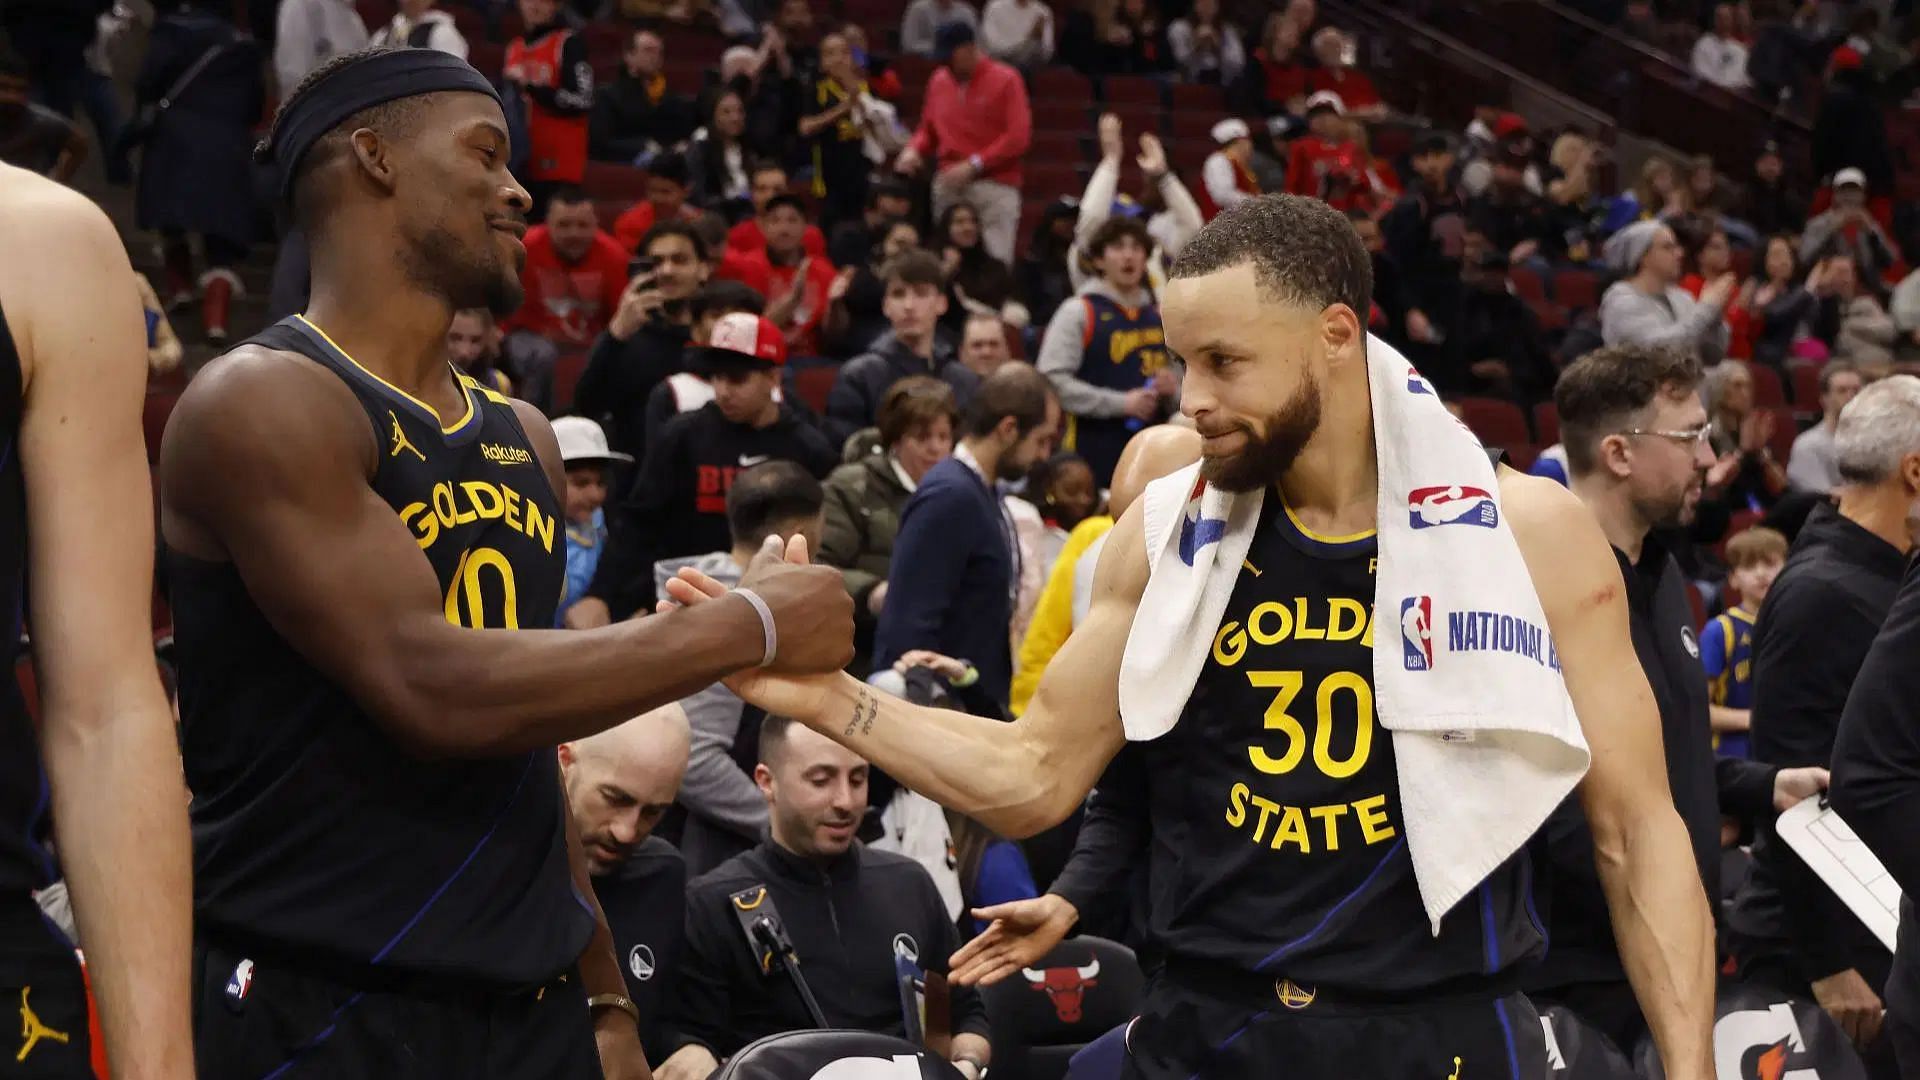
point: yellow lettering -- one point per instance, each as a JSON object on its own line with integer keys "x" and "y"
{"x": 1323, "y": 728}
{"x": 1367, "y": 638}
{"x": 1372, "y": 815}
{"x": 1237, "y": 805}
{"x": 1303, "y": 631}
{"x": 511, "y": 512}
{"x": 443, "y": 504}
{"x": 478, "y": 560}
{"x": 1293, "y": 827}
{"x": 1330, "y": 817}
{"x": 541, "y": 525}
{"x": 453, "y": 589}
{"x": 1256, "y": 622}
{"x": 427, "y": 529}
{"x": 1285, "y": 684}
{"x": 1267, "y": 807}
{"x": 462, "y": 516}
{"x": 1229, "y": 645}
{"x": 1340, "y": 630}
{"x": 478, "y": 492}
{"x": 1372, "y": 565}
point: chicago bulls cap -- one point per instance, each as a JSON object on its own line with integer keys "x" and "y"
{"x": 742, "y": 341}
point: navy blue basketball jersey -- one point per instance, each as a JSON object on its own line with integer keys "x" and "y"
{"x": 1122, "y": 348}
{"x": 313, "y": 832}
{"x": 24, "y": 864}
{"x": 1279, "y": 846}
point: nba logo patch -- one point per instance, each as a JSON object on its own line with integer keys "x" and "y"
{"x": 238, "y": 984}
{"x": 1431, "y": 507}
{"x": 1416, "y": 632}
{"x": 1416, "y": 384}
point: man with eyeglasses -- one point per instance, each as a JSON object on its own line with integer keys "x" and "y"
{"x": 1813, "y": 634}
{"x": 1635, "y": 435}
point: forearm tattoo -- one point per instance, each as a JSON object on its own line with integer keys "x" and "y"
{"x": 865, "y": 709}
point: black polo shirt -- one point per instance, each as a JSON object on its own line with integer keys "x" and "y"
{"x": 645, "y": 900}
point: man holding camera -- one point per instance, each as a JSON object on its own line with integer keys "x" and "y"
{"x": 646, "y": 338}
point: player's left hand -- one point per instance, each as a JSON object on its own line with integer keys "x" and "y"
{"x": 1792, "y": 785}
{"x": 621, "y": 1057}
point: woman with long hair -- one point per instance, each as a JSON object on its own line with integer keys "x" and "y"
{"x": 1782, "y": 306}
{"x": 717, "y": 159}
{"x": 976, "y": 281}
{"x": 1708, "y": 256}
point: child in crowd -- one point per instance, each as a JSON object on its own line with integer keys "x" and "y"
{"x": 1754, "y": 558}
{"x": 583, "y": 449}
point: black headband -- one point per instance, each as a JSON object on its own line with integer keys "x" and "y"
{"x": 384, "y": 76}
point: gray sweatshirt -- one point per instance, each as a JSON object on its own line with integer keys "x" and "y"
{"x": 1631, "y": 317}
{"x": 1061, "y": 352}
{"x": 725, "y": 811}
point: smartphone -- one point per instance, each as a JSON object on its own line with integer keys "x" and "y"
{"x": 640, "y": 266}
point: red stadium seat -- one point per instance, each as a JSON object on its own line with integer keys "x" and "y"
{"x": 1050, "y": 180}
{"x": 1131, "y": 89}
{"x": 566, "y": 375}
{"x": 1766, "y": 385}
{"x": 486, "y": 58}
{"x": 1059, "y": 147}
{"x": 1806, "y": 388}
{"x": 1527, "y": 284}
{"x": 1136, "y": 118}
{"x": 1189, "y": 124}
{"x": 814, "y": 383}
{"x": 1061, "y": 85}
{"x": 471, "y": 24}
{"x": 606, "y": 180}
{"x": 1698, "y": 605}
{"x": 1523, "y": 456}
{"x": 1495, "y": 421}
{"x": 1064, "y": 116}
{"x": 1576, "y": 290}
{"x": 1741, "y": 522}
{"x": 1546, "y": 423}
{"x": 1208, "y": 99}
{"x": 1784, "y": 431}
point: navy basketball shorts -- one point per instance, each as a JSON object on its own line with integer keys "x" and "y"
{"x": 43, "y": 999}
{"x": 262, "y": 1020}
{"x": 1183, "y": 1034}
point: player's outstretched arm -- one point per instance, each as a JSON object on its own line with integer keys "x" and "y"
{"x": 1016, "y": 778}
{"x": 106, "y": 734}
{"x": 266, "y": 463}
{"x": 1641, "y": 850}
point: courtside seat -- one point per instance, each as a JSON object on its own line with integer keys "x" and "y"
{"x": 1044, "y": 1014}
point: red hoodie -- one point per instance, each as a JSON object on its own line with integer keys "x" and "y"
{"x": 986, "y": 116}
{"x": 569, "y": 303}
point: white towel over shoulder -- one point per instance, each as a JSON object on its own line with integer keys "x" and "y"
{"x": 1464, "y": 671}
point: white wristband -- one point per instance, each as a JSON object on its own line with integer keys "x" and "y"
{"x": 766, "y": 623}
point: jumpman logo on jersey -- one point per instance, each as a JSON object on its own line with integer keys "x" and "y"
{"x": 32, "y": 1030}
{"x": 400, "y": 439}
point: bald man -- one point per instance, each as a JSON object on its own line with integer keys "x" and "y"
{"x": 619, "y": 783}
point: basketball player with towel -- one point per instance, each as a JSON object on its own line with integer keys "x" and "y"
{"x": 364, "y": 547}
{"x": 1365, "y": 668}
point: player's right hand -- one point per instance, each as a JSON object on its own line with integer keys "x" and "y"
{"x": 812, "y": 613}
{"x": 1852, "y": 1004}
{"x": 1018, "y": 934}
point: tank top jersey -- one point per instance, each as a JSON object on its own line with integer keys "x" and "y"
{"x": 1121, "y": 348}
{"x": 1279, "y": 846}
{"x": 314, "y": 834}
{"x": 24, "y": 863}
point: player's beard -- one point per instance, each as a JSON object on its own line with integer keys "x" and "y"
{"x": 1266, "y": 456}
{"x": 464, "y": 276}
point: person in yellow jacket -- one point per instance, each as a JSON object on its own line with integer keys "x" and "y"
{"x": 1149, "y": 455}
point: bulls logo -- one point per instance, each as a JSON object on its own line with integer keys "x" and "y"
{"x": 1432, "y": 507}
{"x": 1066, "y": 987}
{"x": 1416, "y": 632}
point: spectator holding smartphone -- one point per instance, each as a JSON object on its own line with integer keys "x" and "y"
{"x": 645, "y": 340}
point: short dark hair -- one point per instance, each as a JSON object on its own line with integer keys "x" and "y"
{"x": 1302, "y": 250}
{"x": 726, "y": 296}
{"x": 761, "y": 165}
{"x": 1014, "y": 389}
{"x": 912, "y": 402}
{"x": 773, "y": 737}
{"x": 682, "y": 229}
{"x": 1599, "y": 391}
{"x": 768, "y": 495}
{"x": 914, "y": 267}
{"x": 1835, "y": 368}
{"x": 571, "y": 194}
{"x": 669, "y": 166}
{"x": 1115, "y": 229}
{"x": 785, "y": 199}
{"x": 391, "y": 118}
{"x": 888, "y": 188}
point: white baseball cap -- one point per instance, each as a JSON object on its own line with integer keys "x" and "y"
{"x": 1330, "y": 99}
{"x": 1228, "y": 130}
{"x": 582, "y": 439}
{"x": 1849, "y": 175}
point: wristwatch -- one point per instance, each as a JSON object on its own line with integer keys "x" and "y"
{"x": 615, "y": 1001}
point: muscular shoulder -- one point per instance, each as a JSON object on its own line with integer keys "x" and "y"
{"x": 62, "y": 253}
{"x": 546, "y": 446}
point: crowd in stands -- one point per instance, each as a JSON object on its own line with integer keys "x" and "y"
{"x": 831, "y": 286}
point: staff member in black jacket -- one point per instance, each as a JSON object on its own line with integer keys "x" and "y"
{"x": 1636, "y": 439}
{"x": 619, "y": 784}
{"x": 678, "y": 505}
{"x": 1813, "y": 634}
{"x": 1876, "y": 787}
{"x": 848, "y": 910}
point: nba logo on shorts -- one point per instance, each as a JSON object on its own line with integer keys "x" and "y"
{"x": 1416, "y": 632}
{"x": 1416, "y": 384}
{"x": 239, "y": 983}
{"x": 1431, "y": 507}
